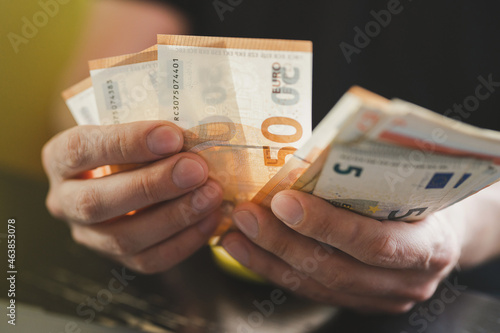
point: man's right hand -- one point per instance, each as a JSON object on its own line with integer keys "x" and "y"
{"x": 176, "y": 202}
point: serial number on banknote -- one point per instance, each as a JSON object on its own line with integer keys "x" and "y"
{"x": 175, "y": 89}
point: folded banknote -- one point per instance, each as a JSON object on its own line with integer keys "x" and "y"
{"x": 245, "y": 106}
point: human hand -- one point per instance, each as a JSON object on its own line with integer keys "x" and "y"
{"x": 177, "y": 205}
{"x": 335, "y": 256}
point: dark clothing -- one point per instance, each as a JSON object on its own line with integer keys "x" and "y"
{"x": 429, "y": 52}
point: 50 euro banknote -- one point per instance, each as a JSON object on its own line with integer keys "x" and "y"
{"x": 244, "y": 104}
{"x": 125, "y": 87}
{"x": 80, "y": 100}
{"x": 120, "y": 89}
{"x": 389, "y": 159}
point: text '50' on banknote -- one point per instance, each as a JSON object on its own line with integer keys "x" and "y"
{"x": 245, "y": 101}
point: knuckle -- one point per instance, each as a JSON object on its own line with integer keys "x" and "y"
{"x": 355, "y": 233}
{"x": 338, "y": 281}
{"x": 119, "y": 145}
{"x": 400, "y": 308}
{"x": 441, "y": 262}
{"x": 119, "y": 244}
{"x": 325, "y": 231}
{"x": 76, "y": 149}
{"x": 444, "y": 258}
{"x": 53, "y": 205}
{"x": 383, "y": 250}
{"x": 442, "y": 251}
{"x": 143, "y": 264}
{"x": 282, "y": 249}
{"x": 179, "y": 216}
{"x": 422, "y": 293}
{"x": 78, "y": 236}
{"x": 149, "y": 187}
{"x": 87, "y": 205}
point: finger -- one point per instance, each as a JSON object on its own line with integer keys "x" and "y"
{"x": 96, "y": 200}
{"x": 330, "y": 267}
{"x": 280, "y": 273}
{"x": 392, "y": 244}
{"x": 131, "y": 234}
{"x": 83, "y": 148}
{"x": 172, "y": 251}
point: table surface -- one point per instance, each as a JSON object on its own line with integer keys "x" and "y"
{"x": 56, "y": 278}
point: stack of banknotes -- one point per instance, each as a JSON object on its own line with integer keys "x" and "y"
{"x": 245, "y": 106}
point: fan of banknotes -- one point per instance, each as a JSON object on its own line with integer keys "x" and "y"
{"x": 245, "y": 106}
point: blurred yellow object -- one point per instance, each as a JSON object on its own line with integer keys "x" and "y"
{"x": 229, "y": 265}
{"x": 38, "y": 38}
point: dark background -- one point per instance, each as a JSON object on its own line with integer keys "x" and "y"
{"x": 431, "y": 53}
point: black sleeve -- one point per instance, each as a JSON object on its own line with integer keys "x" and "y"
{"x": 193, "y": 9}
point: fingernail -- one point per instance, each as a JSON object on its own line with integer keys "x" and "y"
{"x": 287, "y": 209}
{"x": 188, "y": 173}
{"x": 247, "y": 223}
{"x": 206, "y": 197}
{"x": 208, "y": 225}
{"x": 163, "y": 140}
{"x": 238, "y": 251}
